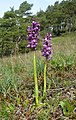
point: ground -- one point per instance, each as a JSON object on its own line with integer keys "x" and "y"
{"x": 17, "y": 101}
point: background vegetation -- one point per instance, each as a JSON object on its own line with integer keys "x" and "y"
{"x": 58, "y": 18}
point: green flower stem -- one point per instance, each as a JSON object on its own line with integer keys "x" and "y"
{"x": 35, "y": 79}
{"x": 44, "y": 91}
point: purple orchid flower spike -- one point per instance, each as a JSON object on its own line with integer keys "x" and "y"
{"x": 33, "y": 32}
{"x": 47, "y": 47}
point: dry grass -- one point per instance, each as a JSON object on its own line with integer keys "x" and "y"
{"x": 17, "y": 84}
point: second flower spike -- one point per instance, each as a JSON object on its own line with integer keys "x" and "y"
{"x": 47, "y": 46}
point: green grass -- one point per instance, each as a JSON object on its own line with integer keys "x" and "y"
{"x": 17, "y": 84}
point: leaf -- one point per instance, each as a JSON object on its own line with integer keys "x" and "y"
{"x": 66, "y": 107}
